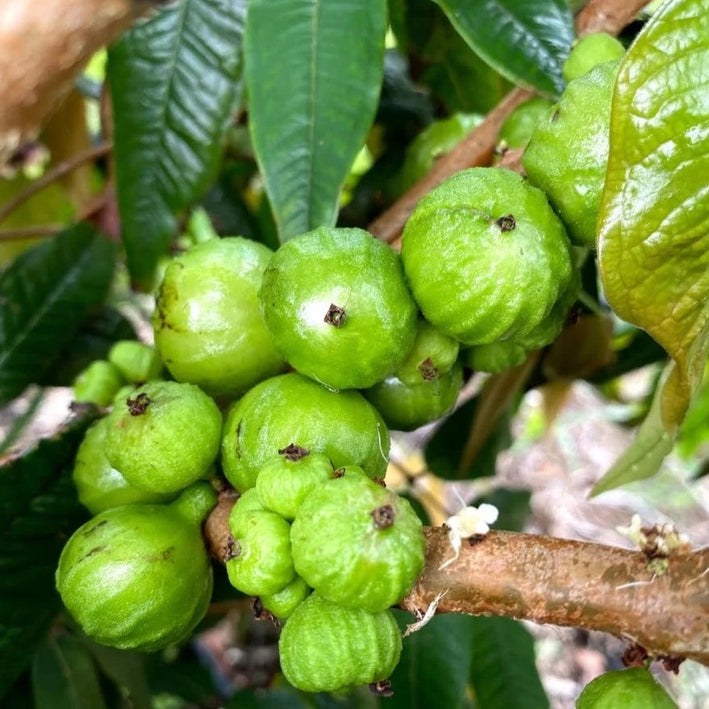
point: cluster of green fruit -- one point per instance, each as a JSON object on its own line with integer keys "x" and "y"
{"x": 377, "y": 340}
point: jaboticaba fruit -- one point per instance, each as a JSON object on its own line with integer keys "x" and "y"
{"x": 633, "y": 688}
{"x": 98, "y": 484}
{"x": 327, "y": 648}
{"x": 164, "y": 436}
{"x": 139, "y": 576}
{"x": 208, "y": 324}
{"x": 485, "y": 256}
{"x": 285, "y": 481}
{"x": 290, "y": 409}
{"x": 337, "y": 305}
{"x": 357, "y": 543}
{"x": 259, "y": 560}
{"x": 567, "y": 154}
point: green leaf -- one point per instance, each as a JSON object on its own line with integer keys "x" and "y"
{"x": 313, "y": 71}
{"x": 64, "y": 676}
{"x": 435, "y": 664}
{"x": 38, "y": 511}
{"x": 654, "y": 217}
{"x": 174, "y": 83}
{"x": 45, "y": 295}
{"x": 445, "y": 448}
{"x": 504, "y": 674}
{"x": 527, "y": 41}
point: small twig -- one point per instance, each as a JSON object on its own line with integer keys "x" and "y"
{"x": 53, "y": 175}
{"x": 31, "y": 232}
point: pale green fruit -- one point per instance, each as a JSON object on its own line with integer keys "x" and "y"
{"x": 327, "y": 648}
{"x": 589, "y": 51}
{"x": 431, "y": 355}
{"x": 136, "y": 361}
{"x": 633, "y": 688}
{"x": 164, "y": 437}
{"x": 284, "y": 602}
{"x": 139, "y": 576}
{"x": 517, "y": 128}
{"x": 98, "y": 383}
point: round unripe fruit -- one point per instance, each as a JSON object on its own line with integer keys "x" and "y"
{"x": 485, "y": 256}
{"x": 98, "y": 484}
{"x": 285, "y": 481}
{"x": 343, "y": 426}
{"x": 136, "y": 361}
{"x": 164, "y": 437}
{"x": 337, "y": 305}
{"x": 327, "y": 648}
{"x": 517, "y": 128}
{"x": 260, "y": 561}
{"x": 495, "y": 357}
{"x": 139, "y": 576}
{"x": 406, "y": 407}
{"x": 97, "y": 384}
{"x": 284, "y": 602}
{"x": 633, "y": 688}
{"x": 431, "y": 355}
{"x": 357, "y": 543}
{"x": 208, "y": 324}
{"x": 567, "y": 154}
{"x": 589, "y": 51}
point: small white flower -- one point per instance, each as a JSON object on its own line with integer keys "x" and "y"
{"x": 468, "y": 522}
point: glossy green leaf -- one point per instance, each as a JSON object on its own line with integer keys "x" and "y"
{"x": 46, "y": 294}
{"x": 654, "y": 218}
{"x": 504, "y": 674}
{"x": 525, "y": 40}
{"x": 64, "y": 676}
{"x": 435, "y": 664}
{"x": 38, "y": 511}
{"x": 174, "y": 84}
{"x": 313, "y": 72}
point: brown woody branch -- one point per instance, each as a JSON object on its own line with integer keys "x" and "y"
{"x": 477, "y": 148}
{"x": 554, "y": 581}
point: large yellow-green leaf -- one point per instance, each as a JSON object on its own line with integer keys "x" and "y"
{"x": 654, "y": 219}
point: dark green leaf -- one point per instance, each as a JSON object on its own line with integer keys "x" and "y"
{"x": 314, "y": 72}
{"x": 445, "y": 449}
{"x": 435, "y": 664}
{"x": 64, "y": 676}
{"x": 45, "y": 295}
{"x": 504, "y": 674}
{"x": 525, "y": 40}
{"x": 654, "y": 223}
{"x": 38, "y": 511}
{"x": 174, "y": 83}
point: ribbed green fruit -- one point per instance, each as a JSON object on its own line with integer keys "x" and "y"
{"x": 292, "y": 409}
{"x": 485, "y": 256}
{"x": 337, "y": 305}
{"x": 431, "y": 355}
{"x": 357, "y": 543}
{"x": 164, "y": 437}
{"x": 327, "y": 648}
{"x": 633, "y": 688}
{"x": 284, "y": 602}
{"x": 208, "y": 324}
{"x": 98, "y": 484}
{"x": 139, "y": 576}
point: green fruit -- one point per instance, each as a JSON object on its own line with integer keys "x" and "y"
{"x": 247, "y": 502}
{"x": 589, "y": 51}
{"x": 165, "y": 437}
{"x": 139, "y": 576}
{"x": 517, "y": 128}
{"x": 435, "y": 140}
{"x": 405, "y": 407}
{"x": 285, "y": 481}
{"x": 495, "y": 357}
{"x": 284, "y": 602}
{"x": 208, "y": 324}
{"x": 291, "y": 408}
{"x": 567, "y": 154}
{"x": 431, "y": 355}
{"x": 357, "y": 543}
{"x": 326, "y": 648}
{"x": 97, "y": 384}
{"x": 485, "y": 256}
{"x": 260, "y": 561}
{"x": 98, "y": 484}
{"x": 633, "y": 688}
{"x": 136, "y": 361}
{"x": 337, "y": 305}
